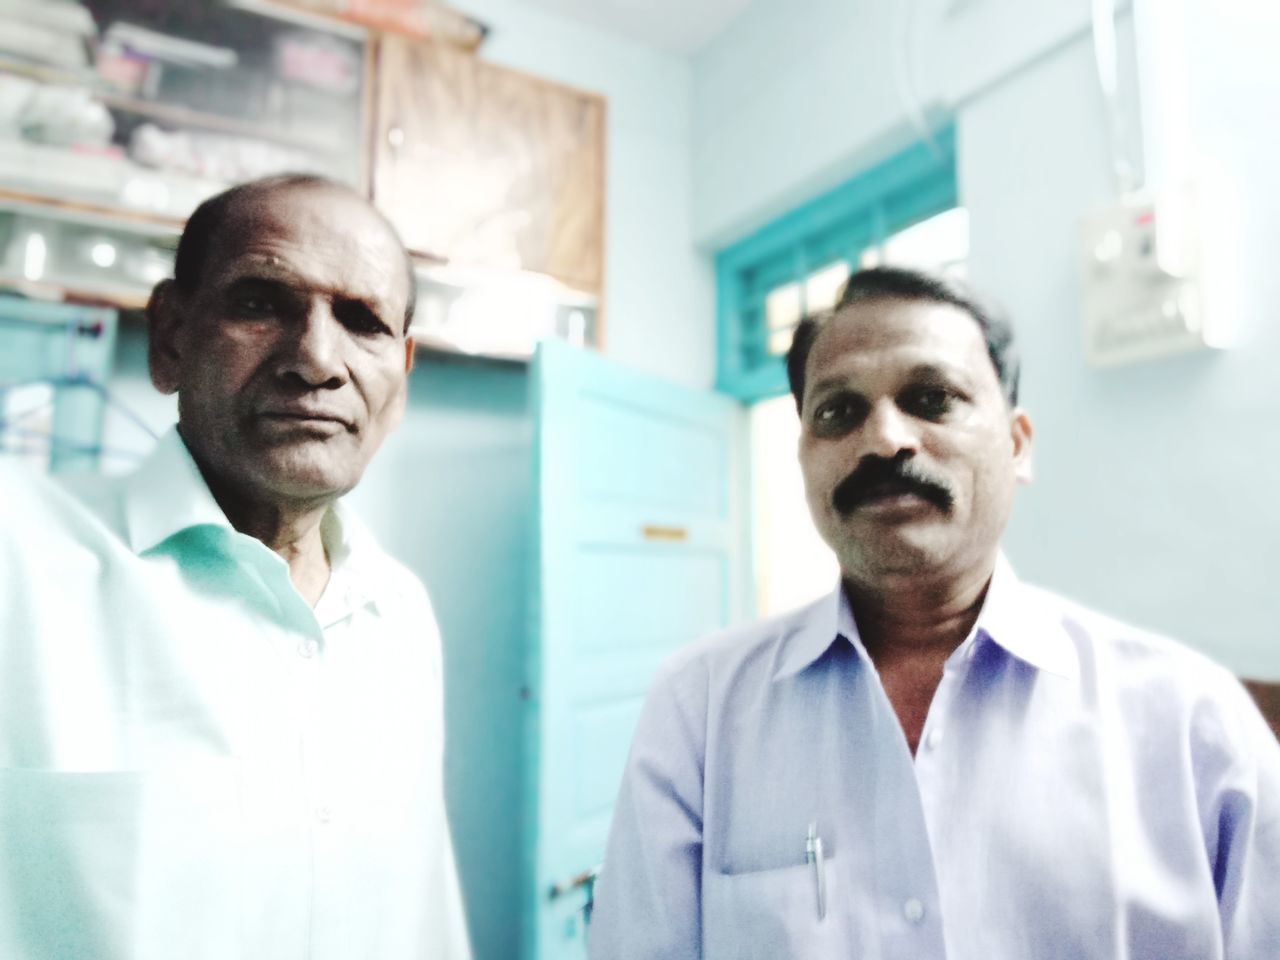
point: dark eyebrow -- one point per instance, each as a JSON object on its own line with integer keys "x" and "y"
{"x": 346, "y": 309}
{"x": 264, "y": 271}
{"x": 939, "y": 373}
{"x": 249, "y": 280}
{"x": 267, "y": 286}
{"x": 833, "y": 383}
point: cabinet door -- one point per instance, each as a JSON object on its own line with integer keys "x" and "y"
{"x": 482, "y": 165}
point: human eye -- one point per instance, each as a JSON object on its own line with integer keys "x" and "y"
{"x": 360, "y": 318}
{"x": 930, "y": 402}
{"x": 257, "y": 299}
{"x": 836, "y": 414}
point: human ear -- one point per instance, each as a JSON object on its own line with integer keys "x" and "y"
{"x": 1023, "y": 434}
{"x": 164, "y": 321}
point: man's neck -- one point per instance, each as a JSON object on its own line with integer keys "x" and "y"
{"x": 292, "y": 530}
{"x": 294, "y": 535}
{"x": 909, "y": 627}
{"x": 909, "y": 617}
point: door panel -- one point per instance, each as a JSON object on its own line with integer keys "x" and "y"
{"x": 638, "y": 554}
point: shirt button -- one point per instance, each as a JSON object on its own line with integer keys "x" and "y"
{"x": 323, "y": 815}
{"x": 934, "y": 738}
{"x": 913, "y": 910}
{"x": 308, "y": 648}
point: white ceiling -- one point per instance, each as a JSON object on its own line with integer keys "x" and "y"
{"x": 678, "y": 26}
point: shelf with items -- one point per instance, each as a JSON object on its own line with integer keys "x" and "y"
{"x": 77, "y": 252}
{"x": 45, "y": 73}
{"x": 483, "y": 170}
{"x": 229, "y": 96}
{"x": 500, "y": 313}
{"x": 184, "y": 117}
{"x": 255, "y": 95}
{"x": 89, "y": 212}
{"x": 102, "y": 179}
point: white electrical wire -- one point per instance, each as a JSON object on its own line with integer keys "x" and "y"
{"x": 902, "y": 55}
{"x": 1107, "y": 59}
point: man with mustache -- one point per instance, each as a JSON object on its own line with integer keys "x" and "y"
{"x": 936, "y": 760}
{"x": 221, "y": 724}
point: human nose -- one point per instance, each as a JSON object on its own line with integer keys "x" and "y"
{"x": 889, "y": 433}
{"x": 315, "y": 354}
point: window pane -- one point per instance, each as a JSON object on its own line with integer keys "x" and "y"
{"x": 780, "y": 340}
{"x": 782, "y": 307}
{"x": 939, "y": 243}
{"x": 822, "y": 289}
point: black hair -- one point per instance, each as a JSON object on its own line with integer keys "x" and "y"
{"x": 898, "y": 283}
{"x": 211, "y": 216}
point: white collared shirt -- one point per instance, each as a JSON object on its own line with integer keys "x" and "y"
{"x": 194, "y": 763}
{"x": 1082, "y": 791}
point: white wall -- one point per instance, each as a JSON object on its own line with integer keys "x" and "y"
{"x": 658, "y": 292}
{"x": 1154, "y": 489}
{"x": 1154, "y": 497}
{"x": 799, "y": 94}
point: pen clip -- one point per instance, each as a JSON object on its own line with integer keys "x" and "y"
{"x": 813, "y": 853}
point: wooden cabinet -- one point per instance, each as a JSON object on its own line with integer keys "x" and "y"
{"x": 482, "y": 165}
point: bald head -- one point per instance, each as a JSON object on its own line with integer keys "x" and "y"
{"x": 228, "y": 213}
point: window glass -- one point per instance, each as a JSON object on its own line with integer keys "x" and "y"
{"x": 940, "y": 243}
{"x": 822, "y": 287}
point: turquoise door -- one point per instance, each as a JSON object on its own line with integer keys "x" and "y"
{"x": 638, "y": 552}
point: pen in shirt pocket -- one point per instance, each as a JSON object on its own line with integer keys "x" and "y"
{"x": 813, "y": 854}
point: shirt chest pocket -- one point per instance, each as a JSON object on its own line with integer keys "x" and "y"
{"x": 773, "y": 914}
{"x": 119, "y": 865}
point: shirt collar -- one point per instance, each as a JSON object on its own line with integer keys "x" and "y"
{"x": 1012, "y": 617}
{"x": 353, "y": 559}
{"x": 167, "y": 495}
{"x": 1017, "y": 620}
{"x": 810, "y": 632}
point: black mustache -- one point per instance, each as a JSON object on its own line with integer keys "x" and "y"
{"x": 878, "y": 477}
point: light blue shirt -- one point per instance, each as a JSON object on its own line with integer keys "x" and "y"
{"x": 1082, "y": 791}
{"x": 194, "y": 762}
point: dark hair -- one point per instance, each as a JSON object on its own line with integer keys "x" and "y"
{"x": 211, "y": 216}
{"x": 897, "y": 283}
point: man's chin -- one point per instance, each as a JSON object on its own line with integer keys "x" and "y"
{"x": 903, "y": 549}
{"x": 295, "y": 475}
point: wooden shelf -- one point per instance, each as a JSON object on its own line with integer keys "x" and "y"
{"x": 122, "y": 215}
{"x": 119, "y": 298}
{"x": 185, "y": 117}
{"x": 46, "y": 73}
{"x": 166, "y": 113}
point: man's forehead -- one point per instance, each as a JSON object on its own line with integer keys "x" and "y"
{"x": 319, "y": 237}
{"x": 916, "y": 330}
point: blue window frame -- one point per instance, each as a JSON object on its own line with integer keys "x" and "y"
{"x": 762, "y": 281}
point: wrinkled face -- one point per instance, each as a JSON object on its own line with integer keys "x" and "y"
{"x": 290, "y": 358}
{"x": 909, "y": 450}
